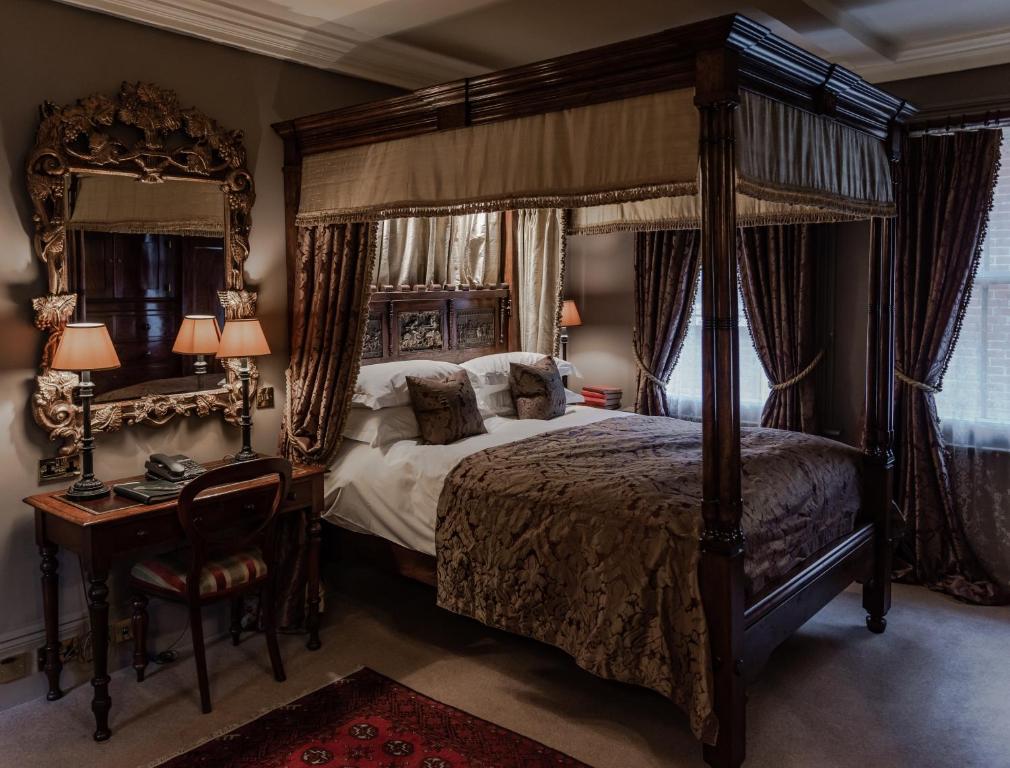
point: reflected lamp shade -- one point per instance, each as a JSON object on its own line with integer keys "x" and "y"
{"x": 198, "y": 335}
{"x": 85, "y": 347}
{"x": 242, "y": 338}
{"x": 570, "y": 314}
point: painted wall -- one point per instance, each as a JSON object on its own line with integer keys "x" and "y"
{"x": 600, "y": 277}
{"x": 53, "y": 52}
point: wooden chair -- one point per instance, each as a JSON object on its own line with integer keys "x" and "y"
{"x": 231, "y": 553}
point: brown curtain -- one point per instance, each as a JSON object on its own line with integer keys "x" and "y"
{"x": 332, "y": 280}
{"x": 944, "y": 195}
{"x": 778, "y": 285}
{"x": 332, "y": 277}
{"x": 667, "y": 265}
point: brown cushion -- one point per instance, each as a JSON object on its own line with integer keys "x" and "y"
{"x": 537, "y": 390}
{"x": 446, "y": 408}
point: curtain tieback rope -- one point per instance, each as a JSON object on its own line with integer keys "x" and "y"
{"x": 920, "y": 385}
{"x": 646, "y": 372}
{"x": 799, "y": 376}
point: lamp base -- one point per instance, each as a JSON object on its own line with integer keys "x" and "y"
{"x": 88, "y": 488}
{"x": 246, "y": 455}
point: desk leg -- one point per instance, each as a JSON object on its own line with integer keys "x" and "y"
{"x": 51, "y": 609}
{"x": 313, "y": 534}
{"x": 98, "y": 608}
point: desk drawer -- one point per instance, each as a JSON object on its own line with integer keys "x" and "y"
{"x": 145, "y": 531}
{"x": 299, "y": 495}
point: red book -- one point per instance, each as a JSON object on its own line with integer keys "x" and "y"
{"x": 590, "y": 395}
{"x": 600, "y": 402}
{"x": 601, "y": 390}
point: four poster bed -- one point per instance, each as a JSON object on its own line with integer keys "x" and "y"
{"x": 615, "y": 135}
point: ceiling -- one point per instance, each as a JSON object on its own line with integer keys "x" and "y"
{"x": 413, "y": 43}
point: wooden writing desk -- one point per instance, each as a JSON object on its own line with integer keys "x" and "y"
{"x": 114, "y": 527}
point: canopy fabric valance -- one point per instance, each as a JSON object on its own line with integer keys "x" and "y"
{"x": 664, "y": 213}
{"x": 792, "y": 166}
{"x": 630, "y": 149}
{"x": 789, "y": 156}
{"x": 109, "y": 203}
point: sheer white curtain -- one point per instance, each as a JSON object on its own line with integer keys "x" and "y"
{"x": 540, "y": 237}
{"x": 440, "y": 250}
{"x": 974, "y": 404}
{"x": 684, "y": 389}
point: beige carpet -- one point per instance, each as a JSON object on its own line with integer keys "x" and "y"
{"x": 934, "y": 691}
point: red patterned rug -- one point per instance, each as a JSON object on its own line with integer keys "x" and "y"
{"x": 369, "y": 721}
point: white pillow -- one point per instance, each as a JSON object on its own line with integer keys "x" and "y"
{"x": 382, "y": 427}
{"x": 497, "y": 399}
{"x": 384, "y": 385}
{"x": 494, "y": 369}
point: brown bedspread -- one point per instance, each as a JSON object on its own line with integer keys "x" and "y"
{"x": 587, "y": 539}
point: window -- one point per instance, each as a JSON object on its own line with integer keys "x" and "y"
{"x": 684, "y": 389}
{"x": 975, "y": 402}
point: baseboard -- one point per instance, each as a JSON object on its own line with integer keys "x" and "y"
{"x": 32, "y": 637}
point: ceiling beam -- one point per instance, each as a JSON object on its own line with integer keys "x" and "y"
{"x": 808, "y": 17}
{"x": 330, "y": 46}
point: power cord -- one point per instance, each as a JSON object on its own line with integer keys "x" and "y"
{"x": 84, "y": 650}
{"x": 169, "y": 655}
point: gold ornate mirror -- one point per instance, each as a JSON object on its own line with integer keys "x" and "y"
{"x": 142, "y": 216}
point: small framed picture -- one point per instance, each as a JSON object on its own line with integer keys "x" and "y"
{"x": 265, "y": 397}
{"x": 59, "y": 468}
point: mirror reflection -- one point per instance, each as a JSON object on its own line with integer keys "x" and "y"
{"x": 143, "y": 257}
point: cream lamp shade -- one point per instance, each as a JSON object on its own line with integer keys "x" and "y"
{"x": 85, "y": 347}
{"x": 198, "y": 335}
{"x": 242, "y": 338}
{"x": 570, "y": 314}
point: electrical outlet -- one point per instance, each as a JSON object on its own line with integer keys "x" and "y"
{"x": 15, "y": 667}
{"x": 121, "y": 631}
{"x": 70, "y": 649}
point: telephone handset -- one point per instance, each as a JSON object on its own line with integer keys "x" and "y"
{"x": 178, "y": 468}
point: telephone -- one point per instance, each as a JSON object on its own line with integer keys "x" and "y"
{"x": 178, "y": 468}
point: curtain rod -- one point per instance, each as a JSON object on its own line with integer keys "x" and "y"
{"x": 990, "y": 119}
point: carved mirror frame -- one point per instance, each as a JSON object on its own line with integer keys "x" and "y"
{"x": 171, "y": 143}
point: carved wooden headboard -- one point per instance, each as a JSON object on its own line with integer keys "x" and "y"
{"x": 436, "y": 323}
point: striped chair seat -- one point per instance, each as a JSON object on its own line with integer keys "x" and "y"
{"x": 168, "y": 572}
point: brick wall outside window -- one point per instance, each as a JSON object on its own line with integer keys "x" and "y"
{"x": 977, "y": 385}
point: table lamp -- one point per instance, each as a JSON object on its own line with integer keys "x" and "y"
{"x": 86, "y": 347}
{"x": 569, "y": 317}
{"x": 198, "y": 335}
{"x": 243, "y": 339}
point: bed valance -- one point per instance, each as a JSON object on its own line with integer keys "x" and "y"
{"x": 619, "y": 150}
{"x": 792, "y": 166}
{"x": 108, "y": 203}
{"x": 663, "y": 213}
{"x": 790, "y": 156}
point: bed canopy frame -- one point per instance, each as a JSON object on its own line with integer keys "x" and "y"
{"x": 691, "y": 124}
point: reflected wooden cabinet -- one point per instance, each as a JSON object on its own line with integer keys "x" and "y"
{"x": 141, "y": 286}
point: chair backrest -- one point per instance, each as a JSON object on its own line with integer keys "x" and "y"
{"x": 232, "y": 519}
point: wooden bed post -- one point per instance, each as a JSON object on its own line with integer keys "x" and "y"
{"x": 878, "y": 432}
{"x": 722, "y": 545}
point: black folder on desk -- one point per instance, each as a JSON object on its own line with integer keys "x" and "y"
{"x": 149, "y": 491}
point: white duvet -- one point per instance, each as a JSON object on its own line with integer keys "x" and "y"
{"x": 393, "y": 491}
